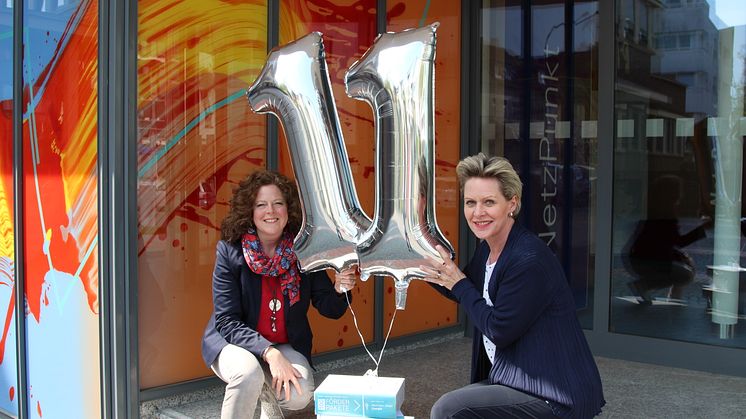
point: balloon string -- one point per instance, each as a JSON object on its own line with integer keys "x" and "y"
{"x": 362, "y": 339}
{"x": 383, "y": 348}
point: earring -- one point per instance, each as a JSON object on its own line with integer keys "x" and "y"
{"x": 511, "y": 214}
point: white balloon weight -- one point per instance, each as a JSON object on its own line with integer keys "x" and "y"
{"x": 395, "y": 77}
{"x": 294, "y": 85}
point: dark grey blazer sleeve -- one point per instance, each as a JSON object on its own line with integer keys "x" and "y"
{"x": 325, "y": 298}
{"x": 226, "y": 296}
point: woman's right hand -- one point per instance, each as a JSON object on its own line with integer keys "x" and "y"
{"x": 446, "y": 273}
{"x": 345, "y": 281}
{"x": 283, "y": 373}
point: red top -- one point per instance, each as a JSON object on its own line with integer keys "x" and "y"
{"x": 270, "y": 290}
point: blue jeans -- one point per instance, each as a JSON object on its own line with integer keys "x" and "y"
{"x": 483, "y": 400}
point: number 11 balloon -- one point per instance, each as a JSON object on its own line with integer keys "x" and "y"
{"x": 395, "y": 77}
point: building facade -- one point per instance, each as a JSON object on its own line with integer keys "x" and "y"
{"x": 124, "y": 128}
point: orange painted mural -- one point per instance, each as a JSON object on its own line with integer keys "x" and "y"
{"x": 348, "y": 28}
{"x": 8, "y": 368}
{"x": 60, "y": 189}
{"x": 197, "y": 138}
{"x": 426, "y": 309}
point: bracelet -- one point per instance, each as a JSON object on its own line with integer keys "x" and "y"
{"x": 264, "y": 352}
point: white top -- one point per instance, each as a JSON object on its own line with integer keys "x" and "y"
{"x": 489, "y": 347}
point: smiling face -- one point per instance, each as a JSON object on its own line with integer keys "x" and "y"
{"x": 270, "y": 214}
{"x": 486, "y": 210}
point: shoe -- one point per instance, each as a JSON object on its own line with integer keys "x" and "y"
{"x": 644, "y": 296}
{"x": 269, "y": 407}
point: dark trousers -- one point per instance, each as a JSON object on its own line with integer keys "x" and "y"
{"x": 483, "y": 400}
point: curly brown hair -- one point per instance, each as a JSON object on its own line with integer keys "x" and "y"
{"x": 240, "y": 217}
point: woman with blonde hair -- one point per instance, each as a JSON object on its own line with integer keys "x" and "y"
{"x": 530, "y": 358}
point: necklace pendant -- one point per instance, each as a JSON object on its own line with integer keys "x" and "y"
{"x": 275, "y": 305}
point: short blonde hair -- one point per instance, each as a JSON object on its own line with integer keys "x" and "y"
{"x": 498, "y": 168}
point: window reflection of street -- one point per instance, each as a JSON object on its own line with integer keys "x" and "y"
{"x": 679, "y": 103}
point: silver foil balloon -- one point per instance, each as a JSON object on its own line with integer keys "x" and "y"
{"x": 294, "y": 85}
{"x": 395, "y": 77}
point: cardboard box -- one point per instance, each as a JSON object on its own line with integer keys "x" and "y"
{"x": 359, "y": 396}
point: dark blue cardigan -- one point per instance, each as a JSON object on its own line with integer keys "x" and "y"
{"x": 541, "y": 349}
{"x": 237, "y": 294}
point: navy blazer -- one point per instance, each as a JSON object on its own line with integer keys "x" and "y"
{"x": 540, "y": 346}
{"x": 237, "y": 295}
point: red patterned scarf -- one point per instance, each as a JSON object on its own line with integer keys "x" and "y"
{"x": 283, "y": 264}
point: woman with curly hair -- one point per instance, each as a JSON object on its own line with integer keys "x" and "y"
{"x": 259, "y": 331}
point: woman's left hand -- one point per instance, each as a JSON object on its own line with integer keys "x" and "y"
{"x": 445, "y": 273}
{"x": 345, "y": 281}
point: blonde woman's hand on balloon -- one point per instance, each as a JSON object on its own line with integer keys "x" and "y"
{"x": 444, "y": 273}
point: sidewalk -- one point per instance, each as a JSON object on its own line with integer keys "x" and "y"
{"x": 632, "y": 390}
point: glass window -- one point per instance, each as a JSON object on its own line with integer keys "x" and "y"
{"x": 668, "y": 41}
{"x": 685, "y": 41}
{"x": 686, "y": 79}
{"x": 60, "y": 202}
{"x": 197, "y": 138}
{"x": 627, "y": 14}
{"x": 8, "y": 362}
{"x": 642, "y": 22}
{"x": 627, "y": 10}
{"x": 411, "y": 14}
{"x": 545, "y": 124}
{"x": 349, "y": 30}
{"x": 679, "y": 227}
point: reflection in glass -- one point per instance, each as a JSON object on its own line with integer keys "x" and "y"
{"x": 349, "y": 30}
{"x": 197, "y": 138}
{"x": 727, "y": 155}
{"x": 678, "y": 173}
{"x": 401, "y": 15}
{"x": 656, "y": 252}
{"x": 8, "y": 369}
{"x": 539, "y": 110}
{"x": 60, "y": 204}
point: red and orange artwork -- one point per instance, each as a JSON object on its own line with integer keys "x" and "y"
{"x": 348, "y": 28}
{"x": 197, "y": 138}
{"x": 428, "y": 310}
{"x": 8, "y": 370}
{"x": 60, "y": 187}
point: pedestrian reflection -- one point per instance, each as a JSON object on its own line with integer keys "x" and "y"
{"x": 655, "y": 253}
